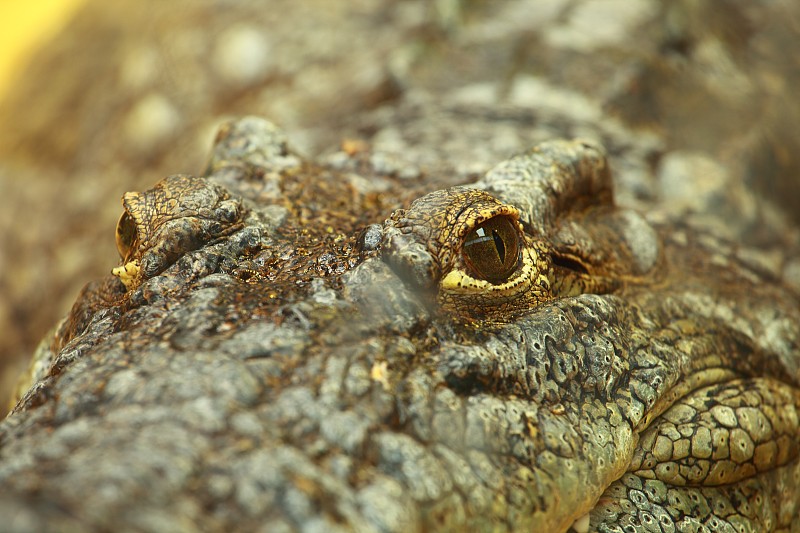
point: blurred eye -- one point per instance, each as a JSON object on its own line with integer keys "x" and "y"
{"x": 125, "y": 235}
{"x": 492, "y": 249}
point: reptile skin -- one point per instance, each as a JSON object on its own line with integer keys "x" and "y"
{"x": 285, "y": 348}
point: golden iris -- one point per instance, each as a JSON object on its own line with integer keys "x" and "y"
{"x": 125, "y": 235}
{"x": 492, "y": 249}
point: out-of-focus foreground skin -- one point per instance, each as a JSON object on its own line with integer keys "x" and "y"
{"x": 134, "y": 91}
{"x": 315, "y": 340}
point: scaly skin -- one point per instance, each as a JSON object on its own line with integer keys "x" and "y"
{"x": 286, "y": 361}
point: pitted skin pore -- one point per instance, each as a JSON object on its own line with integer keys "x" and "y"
{"x": 312, "y": 356}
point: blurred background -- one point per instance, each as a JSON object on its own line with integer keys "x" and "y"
{"x": 696, "y": 99}
{"x": 23, "y": 27}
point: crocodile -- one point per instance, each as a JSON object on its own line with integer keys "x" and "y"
{"x": 294, "y": 346}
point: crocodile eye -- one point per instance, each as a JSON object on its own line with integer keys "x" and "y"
{"x": 492, "y": 249}
{"x": 125, "y": 235}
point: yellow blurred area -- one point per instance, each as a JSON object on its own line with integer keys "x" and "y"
{"x": 25, "y": 25}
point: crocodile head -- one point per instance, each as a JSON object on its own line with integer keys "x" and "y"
{"x": 518, "y": 354}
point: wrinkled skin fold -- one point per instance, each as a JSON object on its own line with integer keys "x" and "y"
{"x": 282, "y": 350}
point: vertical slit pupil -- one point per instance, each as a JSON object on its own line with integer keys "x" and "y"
{"x": 491, "y": 250}
{"x": 500, "y": 246}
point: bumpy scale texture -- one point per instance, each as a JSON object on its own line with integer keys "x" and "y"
{"x": 291, "y": 347}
